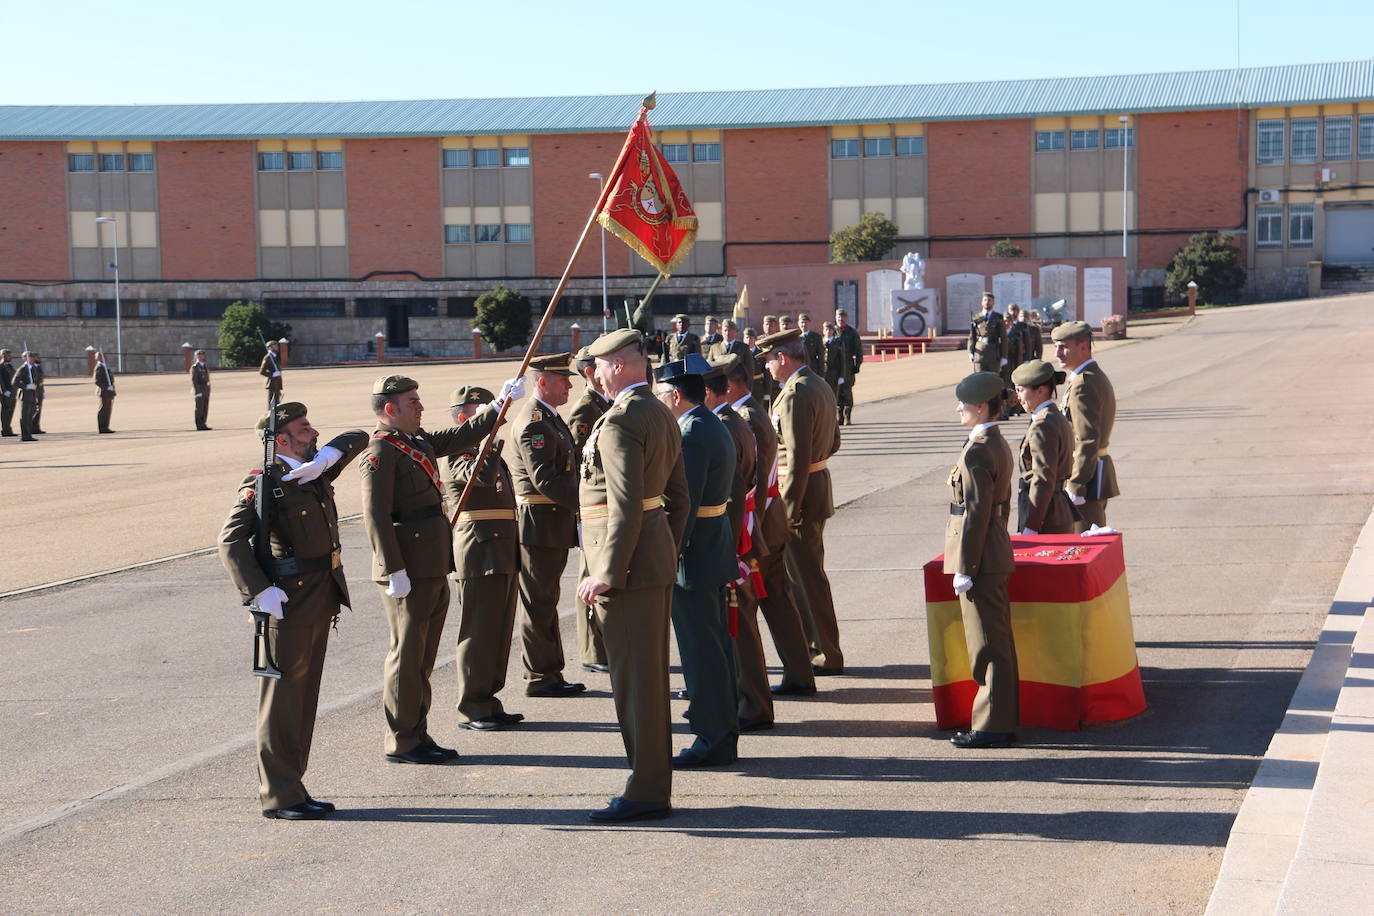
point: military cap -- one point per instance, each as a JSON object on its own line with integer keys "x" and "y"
{"x": 730, "y": 323}
{"x": 1035, "y": 373}
{"x": 722, "y": 366}
{"x": 615, "y": 341}
{"x": 394, "y": 384}
{"x": 291, "y": 410}
{"x": 844, "y": 312}
{"x": 768, "y": 318}
{"x": 804, "y": 316}
{"x": 583, "y": 359}
{"x": 772, "y": 341}
{"x": 470, "y": 394}
{"x": 556, "y": 364}
{"x": 680, "y": 317}
{"x": 691, "y": 364}
{"x": 1071, "y": 330}
{"x": 979, "y": 388}
{"x": 988, "y": 295}
{"x": 5, "y": 351}
{"x": 750, "y": 332}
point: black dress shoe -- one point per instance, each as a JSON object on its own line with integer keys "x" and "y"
{"x": 598, "y": 668}
{"x": 678, "y": 695}
{"x": 40, "y": 432}
{"x": 621, "y": 810}
{"x": 447, "y": 753}
{"x": 104, "y": 431}
{"x": 489, "y": 723}
{"x": 688, "y": 759}
{"x": 422, "y": 754}
{"x": 557, "y": 690}
{"x": 27, "y": 439}
{"x": 983, "y": 739}
{"x": 299, "y": 812}
{"x": 8, "y": 435}
{"x": 793, "y": 690}
{"x": 821, "y": 671}
{"x": 757, "y": 725}
{"x": 322, "y": 805}
{"x": 202, "y": 429}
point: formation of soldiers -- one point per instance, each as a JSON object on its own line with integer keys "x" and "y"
{"x": 999, "y": 344}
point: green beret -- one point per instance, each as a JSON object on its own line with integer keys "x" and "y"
{"x": 768, "y": 318}
{"x": 470, "y": 394}
{"x": 804, "y": 316}
{"x": 291, "y": 410}
{"x": 394, "y": 384}
{"x": 556, "y": 363}
{"x": 773, "y": 341}
{"x": 979, "y": 388}
{"x": 722, "y": 366}
{"x": 1072, "y": 330}
{"x": 616, "y": 341}
{"x": 1035, "y": 373}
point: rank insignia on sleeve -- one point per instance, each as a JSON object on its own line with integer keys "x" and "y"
{"x": 247, "y": 494}
{"x": 583, "y": 429}
{"x": 370, "y": 464}
{"x": 536, "y": 415}
{"x": 537, "y": 440}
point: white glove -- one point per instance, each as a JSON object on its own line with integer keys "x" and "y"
{"x": 1004, "y": 360}
{"x": 7, "y": 394}
{"x": 270, "y": 600}
{"x": 110, "y": 388}
{"x": 962, "y": 583}
{"x": 400, "y": 584}
{"x": 972, "y": 358}
{"x": 199, "y": 394}
{"x": 1097, "y": 529}
{"x": 513, "y": 389}
{"x": 324, "y": 459}
{"x": 841, "y": 381}
{"x": 30, "y": 387}
{"x": 1029, "y": 531}
{"x": 1077, "y": 500}
{"x": 276, "y": 374}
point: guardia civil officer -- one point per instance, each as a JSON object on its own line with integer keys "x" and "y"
{"x": 105, "y": 389}
{"x": 585, "y": 412}
{"x": 302, "y": 592}
{"x": 200, "y": 385}
{"x": 978, "y": 554}
{"x": 634, "y": 508}
{"x": 7, "y": 394}
{"x": 1090, "y": 407}
{"x": 403, "y": 512}
{"x": 1046, "y": 457}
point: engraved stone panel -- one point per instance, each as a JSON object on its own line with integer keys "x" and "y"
{"x": 964, "y": 296}
{"x": 1097, "y": 294}
{"x": 878, "y": 286}
{"x": 1011, "y": 289}
{"x": 1060, "y": 281}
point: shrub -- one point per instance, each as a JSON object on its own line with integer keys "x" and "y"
{"x": 870, "y": 239}
{"x": 503, "y": 318}
{"x": 1213, "y": 262}
{"x": 242, "y": 331}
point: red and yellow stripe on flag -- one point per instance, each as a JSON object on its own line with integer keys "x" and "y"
{"x": 1075, "y": 647}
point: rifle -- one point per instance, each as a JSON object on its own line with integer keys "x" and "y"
{"x": 263, "y": 502}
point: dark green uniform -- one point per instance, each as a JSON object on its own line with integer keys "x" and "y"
{"x": 271, "y": 370}
{"x": 8, "y": 396}
{"x": 987, "y": 341}
{"x": 105, "y": 388}
{"x": 836, "y": 362}
{"x": 815, "y": 351}
{"x": 28, "y": 383}
{"x": 200, "y": 385}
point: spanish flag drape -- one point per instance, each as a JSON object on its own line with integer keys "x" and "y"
{"x": 644, "y": 204}
{"x": 1071, "y": 618}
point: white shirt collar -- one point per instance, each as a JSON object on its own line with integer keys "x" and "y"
{"x": 545, "y": 403}
{"x": 1041, "y": 409}
{"x": 980, "y": 428}
{"x": 737, "y": 404}
{"x": 291, "y": 462}
{"x": 794, "y": 372}
{"x": 1086, "y": 364}
{"x": 625, "y": 392}
{"x": 719, "y": 407}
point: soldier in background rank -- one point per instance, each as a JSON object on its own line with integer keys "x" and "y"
{"x": 271, "y": 370}
{"x": 543, "y": 463}
{"x": 681, "y": 341}
{"x": 1032, "y": 338}
{"x": 1090, "y": 407}
{"x": 585, "y": 412}
{"x": 105, "y": 389}
{"x": 302, "y": 592}
{"x": 815, "y": 346}
{"x": 712, "y": 335}
{"x": 770, "y": 325}
{"x": 403, "y": 512}
{"x": 731, "y": 343}
{"x": 852, "y": 350}
{"x": 7, "y": 394}
{"x": 28, "y": 384}
{"x": 1046, "y": 458}
{"x": 486, "y": 557}
{"x": 987, "y": 338}
{"x": 836, "y": 361}
{"x": 786, "y": 323}
{"x": 200, "y": 384}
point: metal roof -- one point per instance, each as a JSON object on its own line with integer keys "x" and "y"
{"x": 1254, "y": 87}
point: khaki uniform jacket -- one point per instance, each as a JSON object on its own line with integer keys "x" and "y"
{"x": 634, "y": 454}
{"x": 987, "y": 339}
{"x": 305, "y": 525}
{"x": 403, "y": 511}
{"x": 708, "y": 559}
{"x": 769, "y": 516}
{"x": 805, "y": 419}
{"x": 543, "y": 464}
{"x": 268, "y": 366}
{"x": 976, "y": 539}
{"x": 103, "y": 378}
{"x": 200, "y": 378}
{"x": 584, "y": 415}
{"x": 1090, "y": 407}
{"x": 1046, "y": 461}
{"x": 746, "y": 467}
{"x": 482, "y": 546}
{"x": 680, "y": 345}
{"x": 853, "y": 351}
{"x": 28, "y": 374}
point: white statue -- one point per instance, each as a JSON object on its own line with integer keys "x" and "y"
{"x": 913, "y": 271}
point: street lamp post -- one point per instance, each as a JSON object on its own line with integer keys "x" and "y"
{"x": 119, "y": 329}
{"x": 1125, "y": 161}
{"x": 605, "y": 298}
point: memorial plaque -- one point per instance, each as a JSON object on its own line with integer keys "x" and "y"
{"x": 1097, "y": 294}
{"x": 1011, "y": 289}
{"x": 914, "y": 312}
{"x": 880, "y": 285}
{"x": 1060, "y": 281}
{"x": 846, "y": 297}
{"x": 964, "y": 296}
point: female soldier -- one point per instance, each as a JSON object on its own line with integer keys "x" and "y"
{"x": 1042, "y": 505}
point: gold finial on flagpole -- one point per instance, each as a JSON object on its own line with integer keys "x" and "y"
{"x": 651, "y": 100}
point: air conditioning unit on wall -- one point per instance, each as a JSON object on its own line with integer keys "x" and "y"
{"x": 1270, "y": 196}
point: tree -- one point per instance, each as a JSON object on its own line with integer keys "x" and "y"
{"x": 1006, "y": 248}
{"x": 503, "y": 317}
{"x": 242, "y": 330}
{"x": 1210, "y": 260}
{"x": 870, "y": 239}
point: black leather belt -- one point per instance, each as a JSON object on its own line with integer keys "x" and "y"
{"x": 415, "y": 515}
{"x": 295, "y": 566}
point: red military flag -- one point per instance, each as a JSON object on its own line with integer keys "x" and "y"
{"x": 644, "y": 204}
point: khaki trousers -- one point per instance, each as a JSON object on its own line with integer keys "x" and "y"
{"x": 1092, "y": 512}
{"x": 541, "y": 644}
{"x": 202, "y": 409}
{"x": 806, "y": 569}
{"x": 784, "y": 621}
{"x": 755, "y": 697}
{"x": 992, "y": 653}
{"x": 286, "y": 706}
{"x": 417, "y": 626}
{"x": 485, "y": 625}
{"x": 28, "y": 412}
{"x": 634, "y": 624}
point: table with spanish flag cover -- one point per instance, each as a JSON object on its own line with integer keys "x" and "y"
{"x": 1071, "y": 618}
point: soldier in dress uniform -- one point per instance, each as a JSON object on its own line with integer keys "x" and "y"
{"x": 302, "y": 592}
{"x": 105, "y": 389}
{"x": 805, "y": 418}
{"x": 815, "y": 346}
{"x": 978, "y": 554}
{"x": 271, "y": 369}
{"x": 1031, "y": 339}
{"x": 28, "y": 383}
{"x": 585, "y": 412}
{"x": 42, "y": 396}
{"x": 1090, "y": 407}
{"x": 786, "y": 323}
{"x": 987, "y": 338}
{"x": 712, "y": 335}
{"x": 771, "y": 325}
{"x": 543, "y": 463}
{"x": 403, "y": 512}
{"x": 834, "y": 363}
{"x": 852, "y": 359}
{"x": 634, "y": 508}
{"x": 7, "y": 394}
{"x": 681, "y": 341}
{"x": 1046, "y": 459}
{"x": 730, "y": 342}
{"x": 486, "y": 557}
{"x": 200, "y": 384}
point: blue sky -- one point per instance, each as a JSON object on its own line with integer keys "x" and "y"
{"x": 158, "y": 51}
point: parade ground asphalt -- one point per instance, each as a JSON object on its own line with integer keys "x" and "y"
{"x": 1245, "y": 453}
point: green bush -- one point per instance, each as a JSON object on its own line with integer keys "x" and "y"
{"x": 503, "y": 318}
{"x": 1005, "y": 248}
{"x": 242, "y": 331}
{"x": 1213, "y": 262}
{"x": 870, "y": 239}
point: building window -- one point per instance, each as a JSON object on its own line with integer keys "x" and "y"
{"x": 876, "y": 147}
{"x": 271, "y": 162}
{"x": 198, "y": 308}
{"x": 97, "y": 308}
{"x": 57, "y": 309}
{"x": 844, "y": 149}
{"x": 706, "y": 152}
{"x": 111, "y": 162}
{"x": 462, "y": 306}
{"x": 1367, "y": 136}
{"x": 147, "y": 308}
{"x": 1269, "y": 142}
{"x": 676, "y": 152}
{"x": 81, "y": 162}
{"x": 140, "y": 162}
{"x": 304, "y": 308}
{"x": 300, "y": 162}
{"x": 488, "y": 232}
{"x": 516, "y": 157}
{"x": 1083, "y": 139}
{"x": 1302, "y": 140}
{"x": 911, "y": 146}
{"x": 1049, "y": 140}
{"x": 518, "y": 232}
{"x": 457, "y": 158}
{"x": 9, "y": 308}
{"x": 1337, "y": 140}
{"x": 329, "y": 160}
{"x": 487, "y": 158}
{"x": 1112, "y": 137}
{"x": 1300, "y": 232}
{"x": 1269, "y": 227}
{"x": 457, "y": 235}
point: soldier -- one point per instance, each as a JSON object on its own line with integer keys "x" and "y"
{"x": 681, "y": 341}
{"x": 105, "y": 388}
{"x": 1046, "y": 458}
{"x": 7, "y": 394}
{"x": 815, "y": 347}
{"x": 634, "y": 509}
{"x": 712, "y": 335}
{"x": 302, "y": 592}
{"x": 730, "y": 343}
{"x": 835, "y": 362}
{"x": 200, "y": 383}
{"x": 486, "y": 558}
{"x": 588, "y": 409}
{"x": 770, "y": 325}
{"x": 805, "y": 417}
{"x": 978, "y": 554}
{"x": 987, "y": 338}
{"x": 1016, "y": 348}
{"x": 403, "y": 512}
{"x": 27, "y": 381}
{"x": 271, "y": 370}
{"x": 853, "y": 357}
{"x": 786, "y": 323}
{"x": 1032, "y": 340}
{"x": 543, "y": 464}
{"x": 1090, "y": 407}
